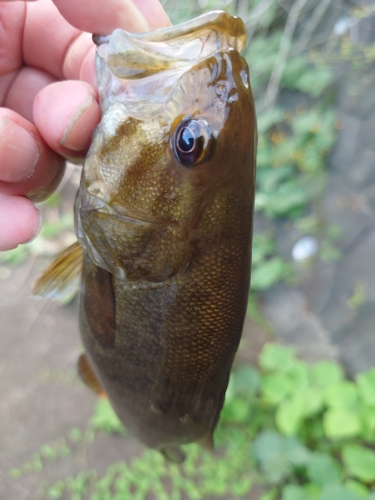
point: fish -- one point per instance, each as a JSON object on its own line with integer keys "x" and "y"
{"x": 163, "y": 219}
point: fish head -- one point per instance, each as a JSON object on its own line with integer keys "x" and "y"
{"x": 177, "y": 127}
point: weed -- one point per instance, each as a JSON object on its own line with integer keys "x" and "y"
{"x": 302, "y": 432}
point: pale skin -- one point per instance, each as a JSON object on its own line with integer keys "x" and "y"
{"x": 48, "y": 95}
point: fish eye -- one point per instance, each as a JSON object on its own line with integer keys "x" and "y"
{"x": 193, "y": 142}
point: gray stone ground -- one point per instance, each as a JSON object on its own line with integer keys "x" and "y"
{"x": 321, "y": 316}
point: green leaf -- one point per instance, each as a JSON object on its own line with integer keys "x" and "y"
{"x": 48, "y": 452}
{"x": 242, "y": 486}
{"x": 341, "y": 423}
{"x": 312, "y": 401}
{"x": 312, "y": 491}
{"x": 268, "y": 449}
{"x": 289, "y": 415}
{"x": 324, "y": 373}
{"x": 288, "y": 199}
{"x": 263, "y": 246}
{"x": 360, "y": 462}
{"x": 323, "y": 469}
{"x": 105, "y": 418}
{"x": 15, "y": 473}
{"x": 293, "y": 492}
{"x": 267, "y": 445}
{"x": 367, "y": 414}
{"x": 338, "y": 492}
{"x": 246, "y": 380}
{"x": 268, "y": 274}
{"x": 270, "y": 494}
{"x": 366, "y": 386}
{"x": 298, "y": 375}
{"x": 236, "y": 410}
{"x": 277, "y": 357}
{"x": 269, "y": 119}
{"x": 278, "y": 455}
{"x": 297, "y": 454}
{"x": 275, "y": 387}
{"x": 76, "y": 434}
{"x": 342, "y": 394}
{"x": 358, "y": 488}
{"x": 315, "y": 81}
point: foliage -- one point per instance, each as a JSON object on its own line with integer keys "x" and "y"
{"x": 297, "y": 431}
{"x": 267, "y": 269}
{"x": 105, "y": 418}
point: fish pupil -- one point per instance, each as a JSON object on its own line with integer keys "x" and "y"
{"x": 186, "y": 140}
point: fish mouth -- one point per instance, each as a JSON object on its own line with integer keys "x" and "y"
{"x": 138, "y": 55}
{"x": 230, "y": 29}
{"x": 146, "y": 66}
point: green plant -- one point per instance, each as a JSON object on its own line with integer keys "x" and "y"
{"x": 297, "y": 431}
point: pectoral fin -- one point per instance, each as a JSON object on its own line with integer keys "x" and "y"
{"x": 61, "y": 278}
{"x": 88, "y": 376}
{"x": 99, "y": 305}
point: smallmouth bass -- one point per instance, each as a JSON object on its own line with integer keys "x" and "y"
{"x": 164, "y": 224}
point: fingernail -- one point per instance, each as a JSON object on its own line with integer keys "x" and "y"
{"x": 75, "y": 136}
{"x": 37, "y": 231}
{"x": 19, "y": 152}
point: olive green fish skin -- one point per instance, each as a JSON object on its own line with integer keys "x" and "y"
{"x": 162, "y": 315}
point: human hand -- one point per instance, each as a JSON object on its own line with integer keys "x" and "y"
{"x": 48, "y": 95}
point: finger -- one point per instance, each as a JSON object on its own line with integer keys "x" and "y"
{"x": 28, "y": 167}
{"x": 88, "y": 70}
{"x": 20, "y": 221}
{"x": 25, "y": 87}
{"x": 53, "y": 45}
{"x": 75, "y": 105}
{"x": 135, "y": 16}
{"x": 47, "y": 37}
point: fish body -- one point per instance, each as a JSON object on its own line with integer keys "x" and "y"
{"x": 164, "y": 215}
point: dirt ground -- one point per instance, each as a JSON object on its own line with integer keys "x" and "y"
{"x": 41, "y": 398}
